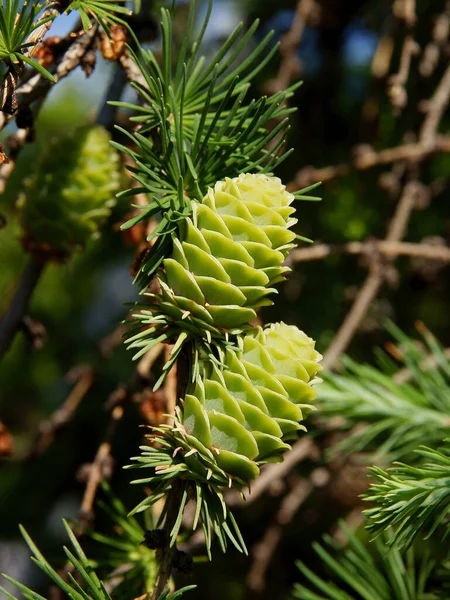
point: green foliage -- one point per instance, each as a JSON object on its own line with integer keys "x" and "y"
{"x": 87, "y": 587}
{"x": 129, "y": 566}
{"x": 195, "y": 127}
{"x": 200, "y": 152}
{"x": 374, "y": 572}
{"x": 415, "y": 499}
{"x": 395, "y": 410}
{"x": 105, "y": 12}
{"x": 90, "y": 587}
{"x": 17, "y": 24}
{"x": 179, "y": 477}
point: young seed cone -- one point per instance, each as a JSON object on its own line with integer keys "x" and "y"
{"x": 70, "y": 191}
{"x": 232, "y": 251}
{"x": 243, "y": 415}
{"x": 224, "y": 263}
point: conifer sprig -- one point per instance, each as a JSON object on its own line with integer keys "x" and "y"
{"x": 414, "y": 499}
{"x": 87, "y": 586}
{"x": 105, "y": 12}
{"x": 374, "y": 572}
{"x": 395, "y": 414}
{"x": 171, "y": 460}
{"x": 17, "y": 24}
{"x": 195, "y": 126}
{"x": 125, "y": 562}
{"x": 90, "y": 588}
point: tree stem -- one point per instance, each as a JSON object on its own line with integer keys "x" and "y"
{"x": 19, "y": 304}
{"x": 173, "y": 499}
{"x": 167, "y": 552}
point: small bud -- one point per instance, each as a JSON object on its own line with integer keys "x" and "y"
{"x": 113, "y": 47}
{"x": 3, "y": 157}
{"x": 154, "y": 539}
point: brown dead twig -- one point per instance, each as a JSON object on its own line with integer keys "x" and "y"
{"x": 13, "y": 317}
{"x": 365, "y": 158}
{"x": 406, "y": 11}
{"x": 290, "y": 66}
{"x": 384, "y": 247}
{"x": 38, "y": 86}
{"x": 49, "y": 428}
{"x": 101, "y": 468}
{"x": 373, "y": 281}
{"x": 264, "y": 550}
{"x": 435, "y": 108}
{"x": 8, "y": 97}
{"x": 434, "y": 48}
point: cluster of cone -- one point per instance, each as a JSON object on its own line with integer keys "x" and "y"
{"x": 231, "y": 252}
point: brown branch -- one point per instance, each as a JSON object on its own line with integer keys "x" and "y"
{"x": 9, "y": 102}
{"x": 409, "y": 13}
{"x": 373, "y": 281}
{"x": 170, "y": 387}
{"x": 38, "y": 86}
{"x": 290, "y": 66}
{"x": 397, "y": 227}
{"x": 433, "y": 49}
{"x": 397, "y": 83}
{"x": 405, "y": 11}
{"x": 100, "y": 469}
{"x": 166, "y": 554}
{"x": 37, "y": 35}
{"x": 387, "y": 248}
{"x": 49, "y": 428}
{"x": 435, "y": 108}
{"x": 12, "y": 319}
{"x": 131, "y": 69}
{"x": 364, "y": 298}
{"x": 367, "y": 158}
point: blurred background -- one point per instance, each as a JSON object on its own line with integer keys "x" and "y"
{"x": 364, "y": 91}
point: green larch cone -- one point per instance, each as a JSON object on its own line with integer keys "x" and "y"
{"x": 224, "y": 262}
{"x": 71, "y": 190}
{"x": 233, "y": 421}
{"x": 245, "y": 413}
{"x": 232, "y": 251}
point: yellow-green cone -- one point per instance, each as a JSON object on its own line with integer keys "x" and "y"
{"x": 232, "y": 251}
{"x": 223, "y": 266}
{"x": 70, "y": 190}
{"x": 244, "y": 414}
